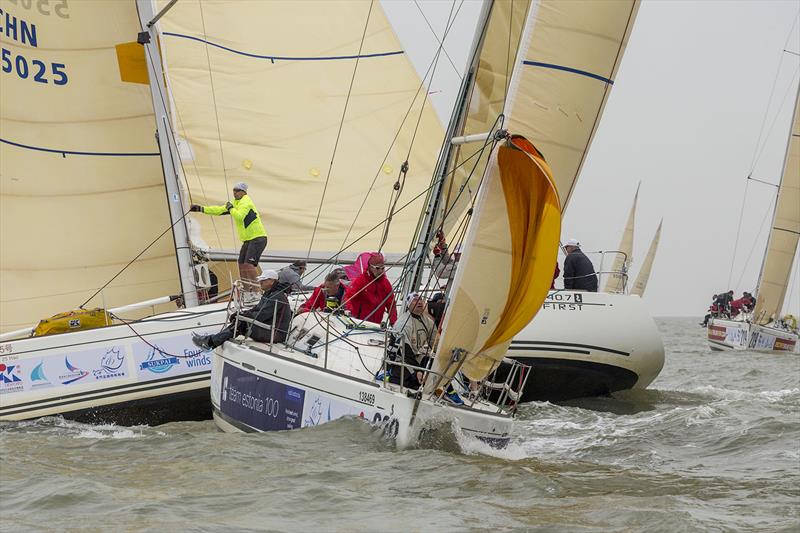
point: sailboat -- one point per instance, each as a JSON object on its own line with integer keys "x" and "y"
{"x": 580, "y": 344}
{"x": 766, "y": 329}
{"x": 640, "y": 285}
{"x": 329, "y": 363}
{"x": 85, "y": 159}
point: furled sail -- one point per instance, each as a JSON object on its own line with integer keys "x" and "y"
{"x": 622, "y": 260}
{"x": 315, "y": 106}
{"x": 643, "y": 277}
{"x": 782, "y": 245}
{"x": 505, "y": 273}
{"x": 81, "y": 184}
{"x": 570, "y": 54}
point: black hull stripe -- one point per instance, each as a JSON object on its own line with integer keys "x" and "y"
{"x": 542, "y": 349}
{"x": 536, "y": 345}
{"x": 241, "y": 426}
{"x": 93, "y": 395}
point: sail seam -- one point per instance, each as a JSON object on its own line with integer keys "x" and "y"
{"x": 282, "y": 58}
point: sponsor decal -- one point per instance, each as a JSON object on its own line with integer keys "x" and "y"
{"x": 73, "y": 373}
{"x": 260, "y": 402}
{"x": 717, "y": 333}
{"x": 784, "y": 345}
{"x": 159, "y": 361}
{"x": 38, "y": 377}
{"x": 11, "y": 378}
{"x": 111, "y": 365}
{"x": 197, "y": 358}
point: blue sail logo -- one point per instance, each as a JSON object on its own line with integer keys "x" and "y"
{"x": 159, "y": 361}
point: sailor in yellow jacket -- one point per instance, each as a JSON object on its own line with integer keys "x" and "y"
{"x": 248, "y": 225}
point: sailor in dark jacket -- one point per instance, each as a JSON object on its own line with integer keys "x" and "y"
{"x": 578, "y": 269}
{"x": 274, "y": 305}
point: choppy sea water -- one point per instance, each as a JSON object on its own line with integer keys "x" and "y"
{"x": 712, "y": 445}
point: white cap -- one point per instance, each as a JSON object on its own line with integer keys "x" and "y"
{"x": 573, "y": 242}
{"x": 411, "y": 296}
{"x": 267, "y": 274}
{"x": 241, "y": 186}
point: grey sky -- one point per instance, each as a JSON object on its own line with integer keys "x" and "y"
{"x": 684, "y": 118}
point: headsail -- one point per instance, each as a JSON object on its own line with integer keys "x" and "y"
{"x": 782, "y": 245}
{"x": 81, "y": 184}
{"x": 505, "y": 273}
{"x": 622, "y": 260}
{"x": 301, "y": 100}
{"x": 643, "y": 277}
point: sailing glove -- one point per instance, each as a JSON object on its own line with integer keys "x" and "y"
{"x": 196, "y": 207}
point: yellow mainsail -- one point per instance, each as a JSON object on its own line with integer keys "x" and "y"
{"x": 317, "y": 114}
{"x": 783, "y": 237}
{"x": 81, "y": 184}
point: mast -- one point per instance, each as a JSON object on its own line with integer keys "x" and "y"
{"x": 183, "y": 250}
{"x": 456, "y": 123}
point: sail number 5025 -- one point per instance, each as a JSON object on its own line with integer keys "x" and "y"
{"x": 366, "y": 397}
{"x": 38, "y": 71}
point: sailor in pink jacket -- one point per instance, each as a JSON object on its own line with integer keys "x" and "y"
{"x": 370, "y": 294}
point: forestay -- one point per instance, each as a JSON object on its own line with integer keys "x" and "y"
{"x": 782, "y": 245}
{"x": 81, "y": 183}
{"x": 289, "y": 98}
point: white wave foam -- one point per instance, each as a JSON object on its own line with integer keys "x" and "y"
{"x": 732, "y": 394}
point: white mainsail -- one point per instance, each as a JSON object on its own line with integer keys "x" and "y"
{"x": 776, "y": 270}
{"x": 570, "y": 53}
{"x": 623, "y": 258}
{"x": 313, "y": 104}
{"x": 81, "y": 184}
{"x": 643, "y": 277}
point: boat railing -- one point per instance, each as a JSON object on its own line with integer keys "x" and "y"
{"x": 501, "y": 388}
{"x": 603, "y": 272}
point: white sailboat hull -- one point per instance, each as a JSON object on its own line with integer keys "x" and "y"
{"x": 585, "y": 344}
{"x": 258, "y": 388}
{"x": 742, "y": 335}
{"x": 113, "y": 373}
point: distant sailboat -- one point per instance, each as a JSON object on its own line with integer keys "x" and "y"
{"x": 618, "y": 277}
{"x": 643, "y": 276}
{"x": 766, "y": 329}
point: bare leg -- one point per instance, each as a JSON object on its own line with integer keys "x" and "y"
{"x": 248, "y": 273}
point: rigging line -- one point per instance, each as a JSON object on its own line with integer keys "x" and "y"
{"x": 435, "y": 36}
{"x": 216, "y": 117}
{"x": 508, "y": 54}
{"x": 339, "y": 132}
{"x": 755, "y": 243}
{"x": 391, "y": 145}
{"x": 771, "y": 94}
{"x": 380, "y": 223}
{"x": 169, "y": 228}
{"x": 738, "y": 231}
{"x": 777, "y": 114}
